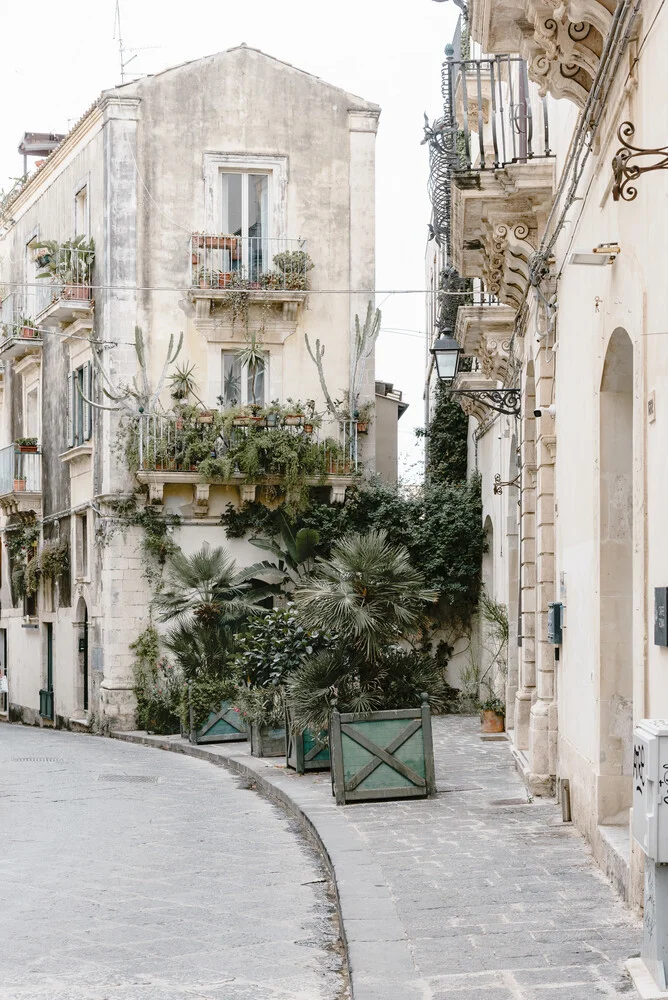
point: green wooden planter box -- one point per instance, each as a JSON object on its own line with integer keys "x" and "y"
{"x": 382, "y": 755}
{"x": 267, "y": 742}
{"x": 224, "y": 726}
{"x": 304, "y": 751}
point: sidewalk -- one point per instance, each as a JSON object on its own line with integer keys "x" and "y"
{"x": 474, "y": 895}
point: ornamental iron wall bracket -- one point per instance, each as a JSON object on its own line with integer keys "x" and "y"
{"x": 502, "y": 400}
{"x": 624, "y": 171}
{"x": 499, "y": 485}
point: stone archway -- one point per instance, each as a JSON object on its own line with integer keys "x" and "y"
{"x": 615, "y": 687}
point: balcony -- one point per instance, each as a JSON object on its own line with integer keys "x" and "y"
{"x": 231, "y": 275}
{"x": 248, "y": 451}
{"x": 501, "y": 171}
{"x": 561, "y": 45}
{"x": 64, "y": 294}
{"x": 18, "y": 330}
{"x": 20, "y": 479}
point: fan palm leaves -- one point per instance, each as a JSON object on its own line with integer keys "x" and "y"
{"x": 206, "y": 588}
{"x": 367, "y": 592}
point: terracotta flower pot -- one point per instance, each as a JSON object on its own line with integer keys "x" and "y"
{"x": 81, "y": 292}
{"x": 294, "y": 419}
{"x": 241, "y": 421}
{"x": 19, "y": 485}
{"x": 491, "y": 722}
{"x": 28, "y": 449}
{"x": 205, "y": 418}
{"x": 308, "y": 428}
{"x": 362, "y": 427}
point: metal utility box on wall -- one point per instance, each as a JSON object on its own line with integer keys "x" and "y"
{"x": 661, "y": 616}
{"x": 555, "y": 616}
{"x": 650, "y": 788}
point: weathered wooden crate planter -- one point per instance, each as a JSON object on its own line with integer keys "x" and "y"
{"x": 267, "y": 742}
{"x": 382, "y": 755}
{"x": 304, "y": 751}
{"x": 224, "y": 726}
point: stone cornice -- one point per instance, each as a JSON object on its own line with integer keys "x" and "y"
{"x": 561, "y": 40}
{"x": 486, "y": 332}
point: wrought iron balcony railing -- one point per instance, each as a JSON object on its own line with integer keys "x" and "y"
{"x": 225, "y": 261}
{"x": 497, "y": 116}
{"x": 20, "y": 470}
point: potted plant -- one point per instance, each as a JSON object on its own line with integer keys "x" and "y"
{"x": 294, "y": 266}
{"x": 19, "y": 485}
{"x": 362, "y": 417}
{"x": 206, "y": 601}
{"x": 492, "y": 715}
{"x": 311, "y": 417}
{"x": 28, "y": 444}
{"x": 205, "y": 417}
{"x": 268, "y": 652}
{"x": 182, "y": 382}
{"x": 26, "y": 326}
{"x": 69, "y": 264}
{"x": 294, "y": 417}
{"x": 374, "y": 695}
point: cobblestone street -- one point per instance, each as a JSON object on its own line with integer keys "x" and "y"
{"x": 131, "y": 875}
{"x": 477, "y": 894}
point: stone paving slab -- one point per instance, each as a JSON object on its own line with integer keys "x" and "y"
{"x": 477, "y": 893}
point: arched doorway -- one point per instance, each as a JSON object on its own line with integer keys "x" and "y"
{"x": 81, "y": 656}
{"x": 616, "y": 581}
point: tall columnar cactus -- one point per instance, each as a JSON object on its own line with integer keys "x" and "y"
{"x": 364, "y": 342}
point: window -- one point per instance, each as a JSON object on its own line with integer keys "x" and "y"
{"x": 31, "y": 414}
{"x": 241, "y": 385}
{"x": 81, "y": 225}
{"x": 245, "y": 213}
{"x": 81, "y": 528}
{"x": 80, "y": 415}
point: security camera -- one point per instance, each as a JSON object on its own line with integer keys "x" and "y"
{"x": 543, "y": 411}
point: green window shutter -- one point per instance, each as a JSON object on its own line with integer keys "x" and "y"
{"x": 71, "y": 409}
{"x": 88, "y": 393}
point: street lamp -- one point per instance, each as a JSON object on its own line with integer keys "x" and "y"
{"x": 446, "y": 352}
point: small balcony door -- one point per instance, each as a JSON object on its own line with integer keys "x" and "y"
{"x": 245, "y": 213}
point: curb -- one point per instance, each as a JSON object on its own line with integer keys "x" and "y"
{"x": 380, "y": 963}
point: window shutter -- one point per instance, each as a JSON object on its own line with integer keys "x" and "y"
{"x": 88, "y": 393}
{"x": 71, "y": 389}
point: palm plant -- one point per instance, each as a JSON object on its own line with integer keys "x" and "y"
{"x": 205, "y": 588}
{"x": 252, "y": 357}
{"x": 371, "y": 597}
{"x": 294, "y": 555}
{"x": 367, "y": 592}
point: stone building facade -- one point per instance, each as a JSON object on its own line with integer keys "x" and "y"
{"x": 156, "y": 170}
{"x": 563, "y": 249}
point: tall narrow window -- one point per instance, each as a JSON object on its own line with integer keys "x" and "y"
{"x": 81, "y": 224}
{"x": 245, "y": 213}
{"x": 82, "y": 545}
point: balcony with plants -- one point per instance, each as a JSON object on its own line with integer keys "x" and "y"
{"x": 282, "y": 448}
{"x": 65, "y": 272}
{"x": 231, "y": 273}
{"x": 20, "y": 476}
{"x": 19, "y": 331}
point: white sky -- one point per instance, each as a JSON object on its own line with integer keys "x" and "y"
{"x": 387, "y": 51}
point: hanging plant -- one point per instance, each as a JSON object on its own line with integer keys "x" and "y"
{"x": 54, "y": 559}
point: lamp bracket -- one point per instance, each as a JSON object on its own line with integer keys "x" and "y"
{"x": 499, "y": 485}
{"x": 506, "y": 401}
{"x": 625, "y": 171}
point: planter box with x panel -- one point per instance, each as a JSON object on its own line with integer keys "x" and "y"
{"x": 224, "y": 726}
{"x": 382, "y": 755}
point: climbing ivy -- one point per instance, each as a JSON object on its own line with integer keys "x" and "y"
{"x": 447, "y": 441}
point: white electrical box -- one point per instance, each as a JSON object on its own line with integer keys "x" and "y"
{"x": 650, "y": 788}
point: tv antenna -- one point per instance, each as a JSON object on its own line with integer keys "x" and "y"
{"x": 122, "y": 49}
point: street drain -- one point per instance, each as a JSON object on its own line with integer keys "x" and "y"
{"x": 132, "y": 778}
{"x": 38, "y": 760}
{"x": 509, "y": 802}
